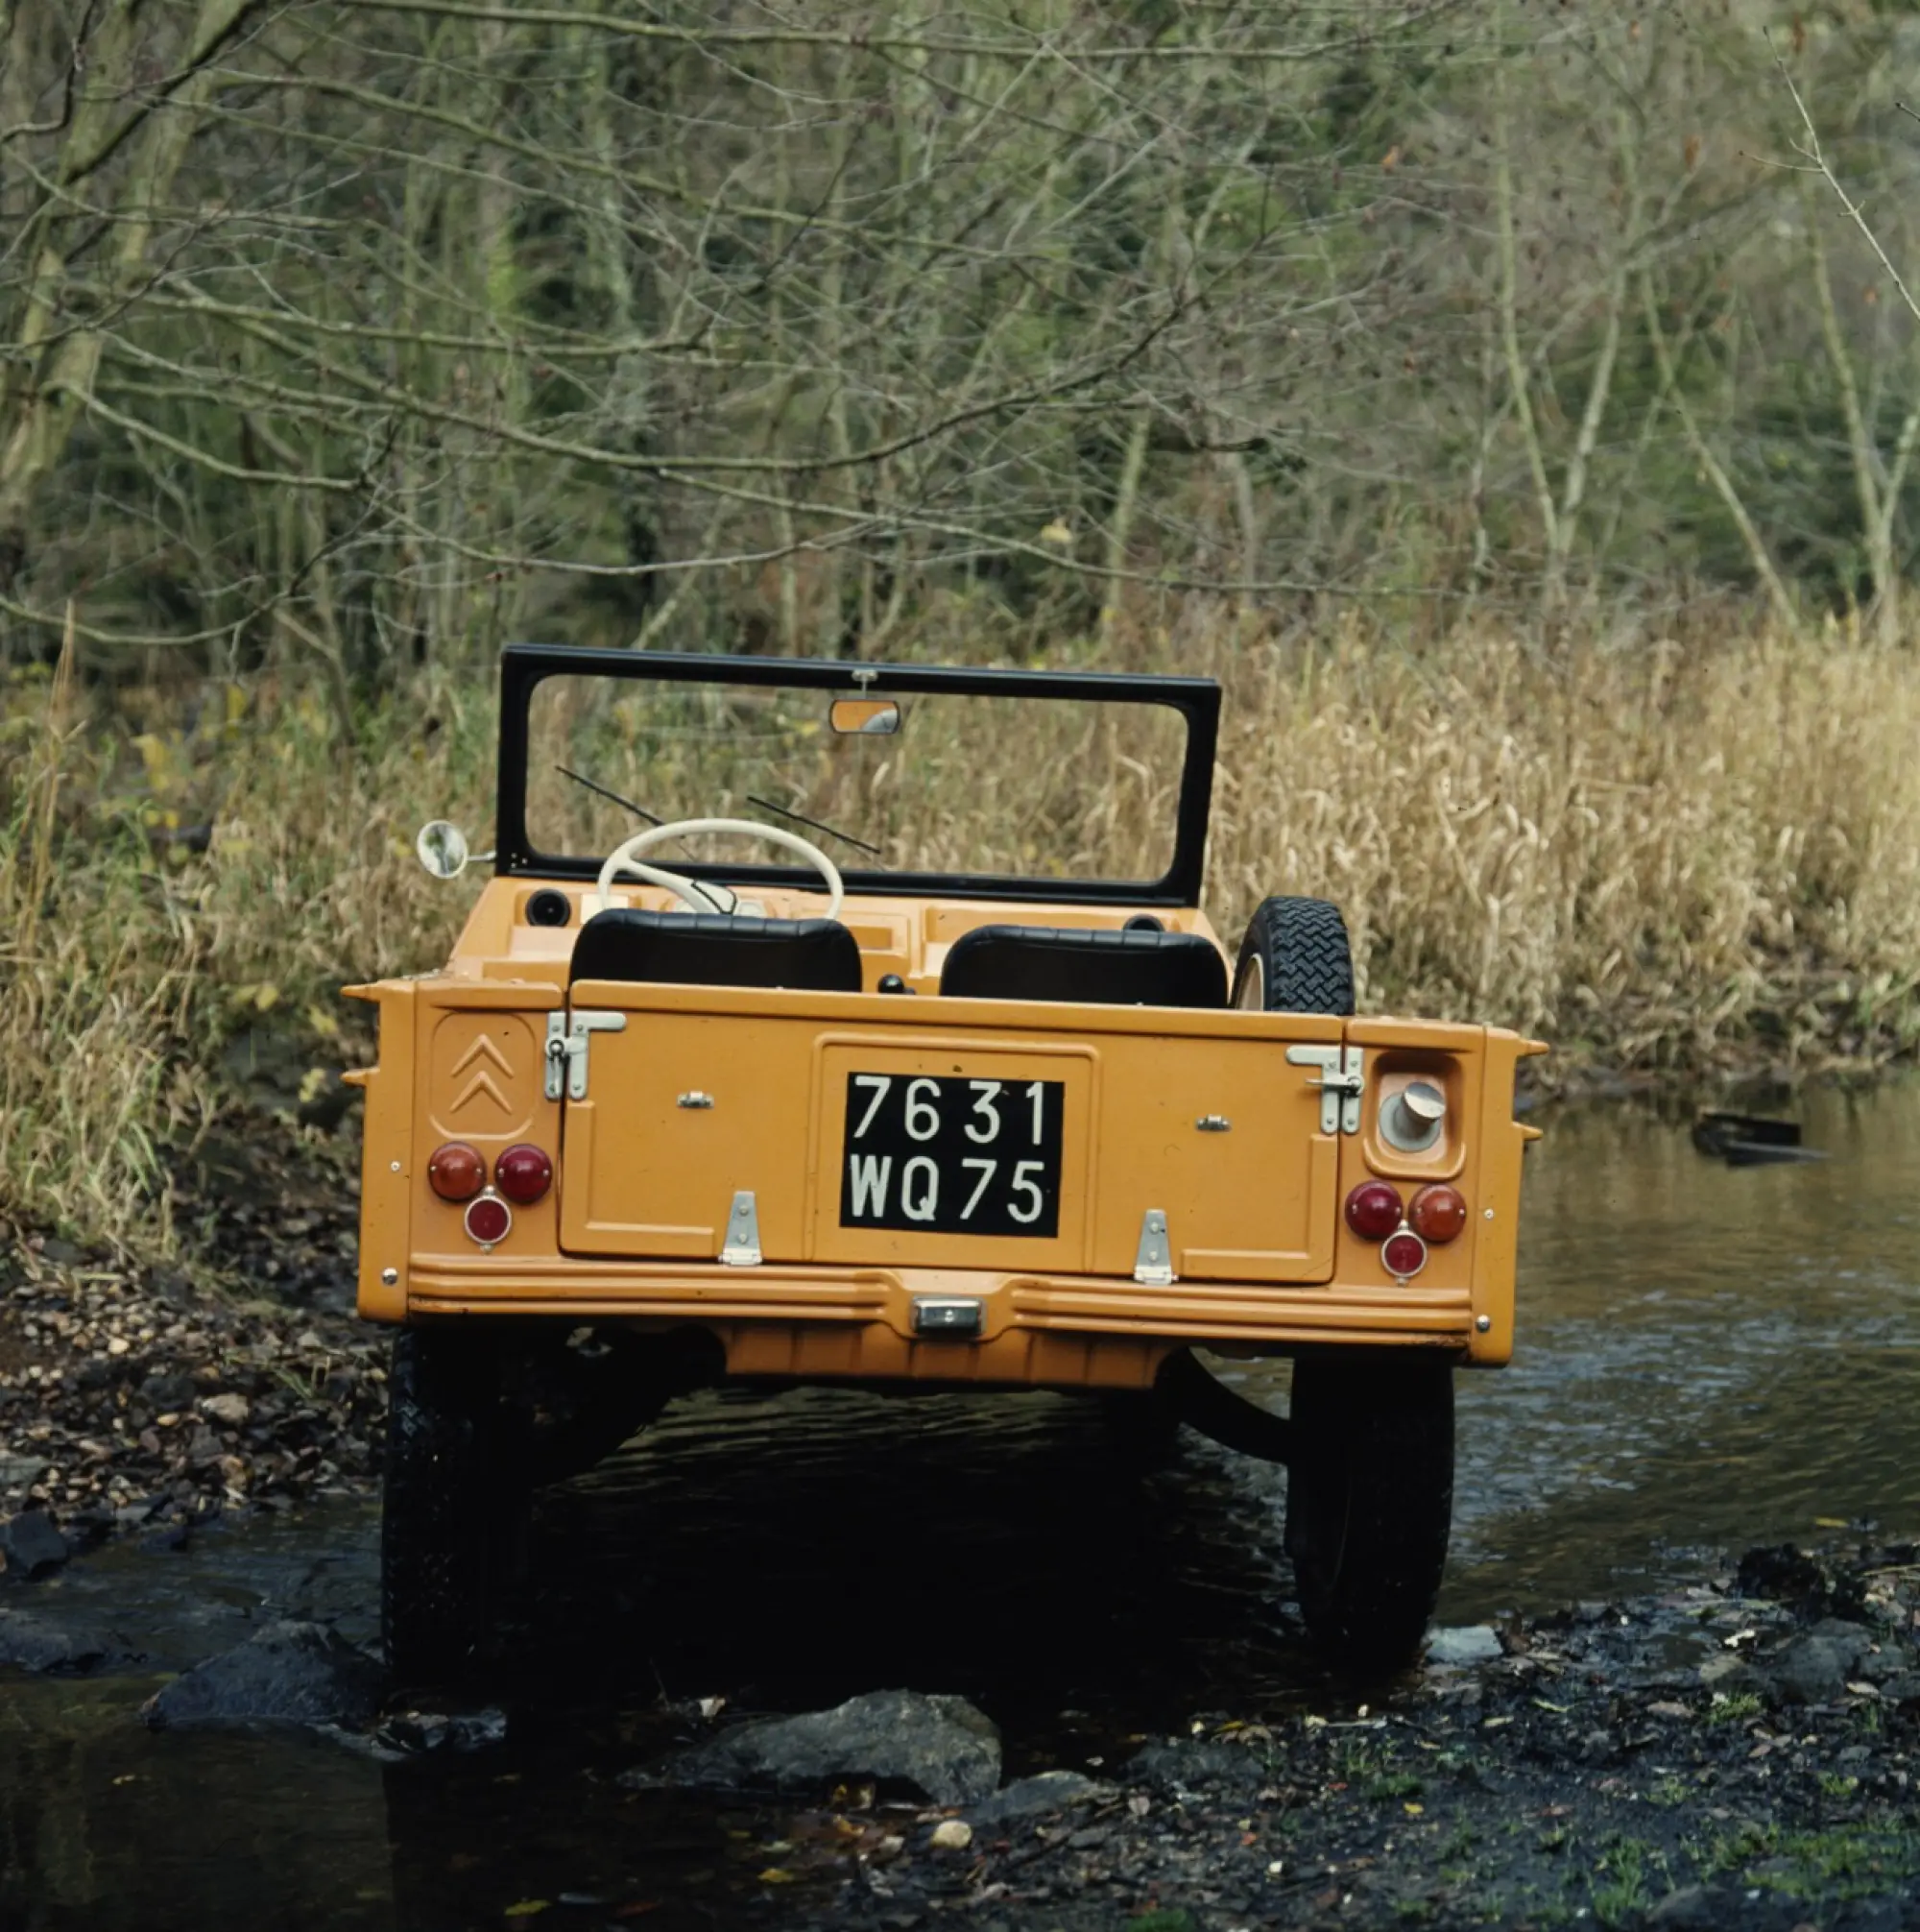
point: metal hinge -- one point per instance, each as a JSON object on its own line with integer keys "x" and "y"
{"x": 1153, "y": 1261}
{"x": 1341, "y": 1085}
{"x": 742, "y": 1247}
{"x": 567, "y": 1038}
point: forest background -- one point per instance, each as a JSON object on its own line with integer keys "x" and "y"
{"x": 1493, "y": 393}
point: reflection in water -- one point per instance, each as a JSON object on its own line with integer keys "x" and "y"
{"x": 1707, "y": 1356}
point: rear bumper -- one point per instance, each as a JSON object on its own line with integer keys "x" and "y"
{"x": 1044, "y": 1330}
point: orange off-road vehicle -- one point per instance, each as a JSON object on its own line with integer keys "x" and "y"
{"x": 923, "y": 1102}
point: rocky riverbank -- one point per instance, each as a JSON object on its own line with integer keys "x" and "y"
{"x": 1738, "y": 1752}
{"x": 142, "y": 1398}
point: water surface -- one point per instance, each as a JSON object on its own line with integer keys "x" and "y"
{"x": 1709, "y": 1357}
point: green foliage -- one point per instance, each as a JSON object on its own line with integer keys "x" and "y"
{"x": 1735, "y": 1707}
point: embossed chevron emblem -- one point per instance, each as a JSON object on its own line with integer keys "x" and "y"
{"x": 483, "y": 1049}
{"x": 483, "y": 1085}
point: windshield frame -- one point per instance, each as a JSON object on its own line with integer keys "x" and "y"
{"x": 524, "y": 667}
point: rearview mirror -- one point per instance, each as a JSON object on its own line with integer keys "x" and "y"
{"x": 865, "y": 717}
{"x": 442, "y": 849}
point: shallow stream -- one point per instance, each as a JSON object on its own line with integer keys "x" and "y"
{"x": 1710, "y": 1357}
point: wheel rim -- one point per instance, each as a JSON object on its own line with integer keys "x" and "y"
{"x": 1252, "y": 996}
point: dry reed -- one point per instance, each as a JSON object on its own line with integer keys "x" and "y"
{"x": 1658, "y": 852}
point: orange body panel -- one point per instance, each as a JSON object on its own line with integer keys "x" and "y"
{"x": 695, "y": 1094}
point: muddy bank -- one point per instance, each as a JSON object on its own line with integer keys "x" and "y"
{"x": 135, "y": 1398}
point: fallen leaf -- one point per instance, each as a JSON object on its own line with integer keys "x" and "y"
{"x": 776, "y": 1874}
{"x": 527, "y": 1907}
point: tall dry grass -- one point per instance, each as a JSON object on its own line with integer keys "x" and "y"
{"x": 1654, "y": 849}
{"x": 95, "y": 979}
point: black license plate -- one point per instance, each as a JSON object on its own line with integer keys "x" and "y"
{"x": 953, "y": 1156}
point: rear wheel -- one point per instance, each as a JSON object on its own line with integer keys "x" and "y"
{"x": 450, "y": 1525}
{"x": 1370, "y": 1498}
{"x": 1295, "y": 958}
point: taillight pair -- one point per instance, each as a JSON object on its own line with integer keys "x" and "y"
{"x": 1436, "y": 1214}
{"x": 457, "y": 1172}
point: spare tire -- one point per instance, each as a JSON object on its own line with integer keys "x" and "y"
{"x": 1295, "y": 958}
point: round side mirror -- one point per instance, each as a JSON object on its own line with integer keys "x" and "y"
{"x": 442, "y": 848}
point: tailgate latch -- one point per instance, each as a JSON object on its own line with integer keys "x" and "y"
{"x": 567, "y": 1039}
{"x": 1342, "y": 1083}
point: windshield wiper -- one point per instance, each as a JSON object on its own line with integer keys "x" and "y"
{"x": 638, "y": 811}
{"x": 801, "y": 818}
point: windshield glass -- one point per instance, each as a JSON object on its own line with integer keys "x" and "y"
{"x": 1020, "y": 788}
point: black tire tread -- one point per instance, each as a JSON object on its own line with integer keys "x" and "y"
{"x": 440, "y": 1485}
{"x": 1370, "y": 1498}
{"x": 1306, "y": 958}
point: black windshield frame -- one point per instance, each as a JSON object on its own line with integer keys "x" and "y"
{"x": 524, "y": 667}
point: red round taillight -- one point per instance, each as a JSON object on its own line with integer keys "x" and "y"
{"x": 1438, "y": 1214}
{"x": 456, "y": 1171}
{"x": 523, "y": 1174}
{"x": 1372, "y": 1210}
{"x": 1404, "y": 1253}
{"x": 488, "y": 1220}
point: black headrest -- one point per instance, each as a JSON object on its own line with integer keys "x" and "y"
{"x": 713, "y": 949}
{"x": 1109, "y": 968}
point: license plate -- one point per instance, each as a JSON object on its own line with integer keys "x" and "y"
{"x": 953, "y": 1155}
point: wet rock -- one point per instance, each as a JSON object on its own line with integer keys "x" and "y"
{"x": 1695, "y": 1908}
{"x": 165, "y": 1391}
{"x": 1466, "y": 1644}
{"x": 1902, "y": 1689}
{"x": 1734, "y": 1677}
{"x": 1176, "y": 1767}
{"x": 951, "y": 1834}
{"x": 1890, "y": 1660}
{"x": 1852, "y": 1643}
{"x": 20, "y": 1472}
{"x": 31, "y": 1544}
{"x": 289, "y": 1673}
{"x": 1047, "y": 1791}
{"x": 415, "y": 1731}
{"x": 34, "y": 1643}
{"x": 1782, "y": 1573}
{"x": 940, "y": 1747}
{"x": 1809, "y": 1670}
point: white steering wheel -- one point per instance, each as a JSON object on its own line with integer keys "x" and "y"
{"x": 702, "y": 898}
